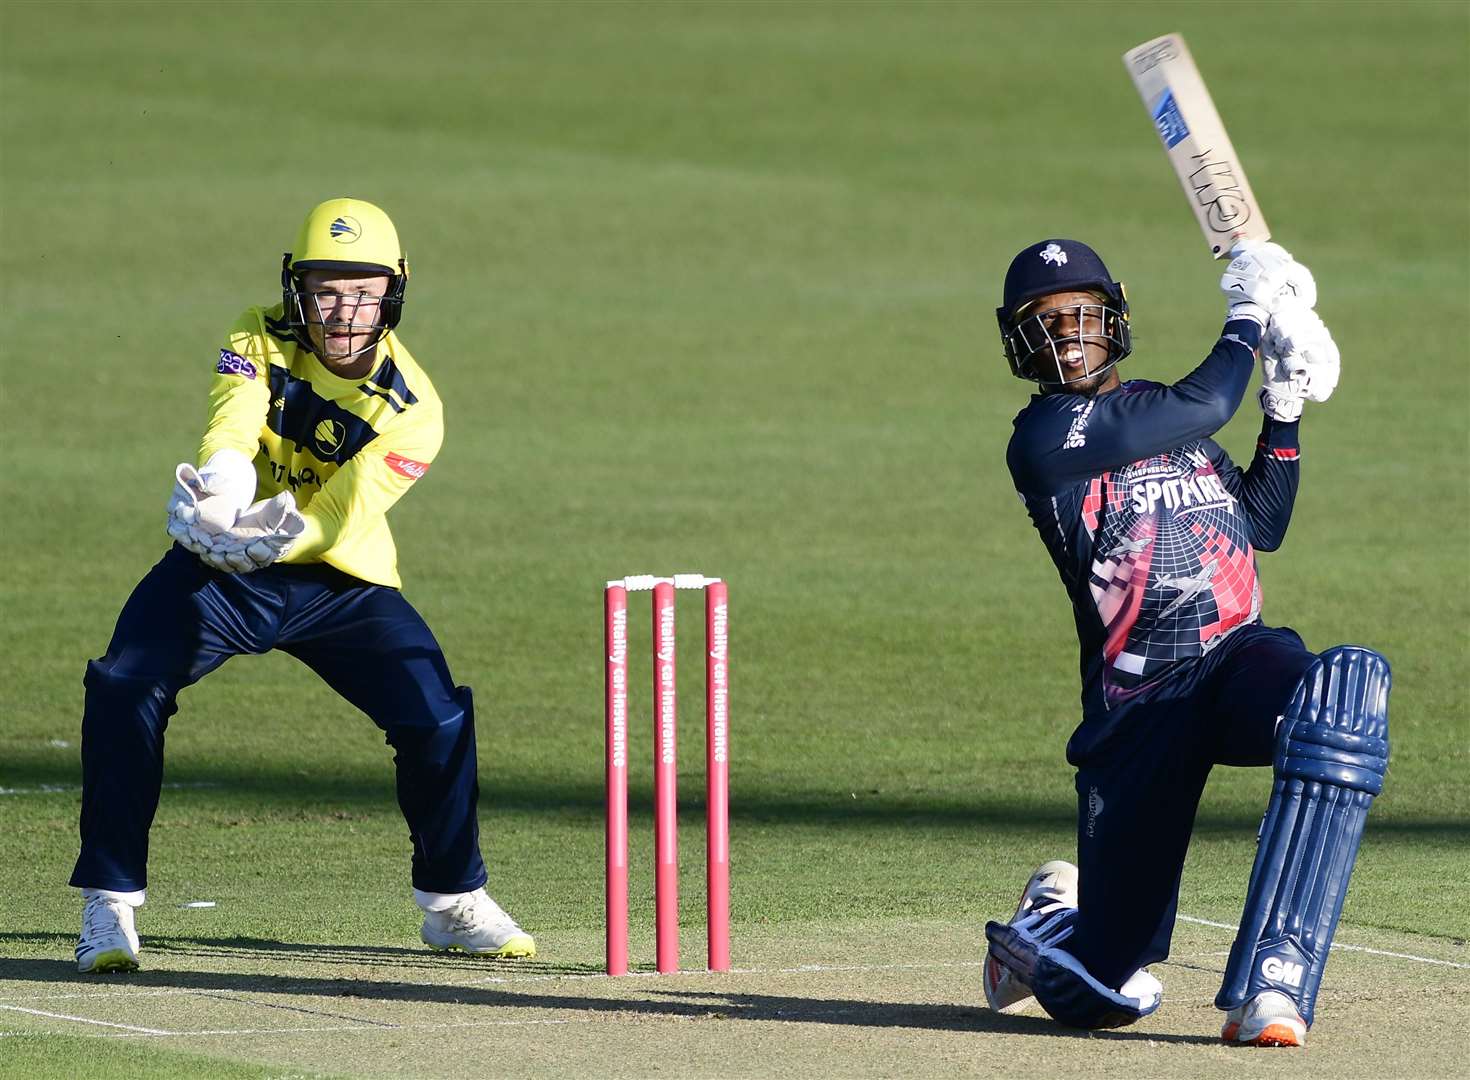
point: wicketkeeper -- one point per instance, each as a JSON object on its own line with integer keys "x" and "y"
{"x": 1154, "y": 531}
{"x": 319, "y": 422}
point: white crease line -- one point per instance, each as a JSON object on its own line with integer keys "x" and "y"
{"x": 64, "y": 789}
{"x": 320, "y": 988}
{"x": 147, "y": 1033}
{"x": 85, "y": 1020}
{"x": 803, "y": 969}
{"x": 1344, "y": 948}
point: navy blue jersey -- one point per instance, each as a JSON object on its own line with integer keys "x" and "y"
{"x": 1150, "y": 524}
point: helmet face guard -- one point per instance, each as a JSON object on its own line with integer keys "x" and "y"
{"x": 303, "y": 309}
{"x": 347, "y": 236}
{"x": 1035, "y": 338}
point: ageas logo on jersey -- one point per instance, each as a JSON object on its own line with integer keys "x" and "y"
{"x": 406, "y": 466}
{"x": 232, "y": 363}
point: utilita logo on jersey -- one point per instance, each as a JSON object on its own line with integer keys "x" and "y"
{"x": 406, "y": 466}
{"x": 1159, "y": 482}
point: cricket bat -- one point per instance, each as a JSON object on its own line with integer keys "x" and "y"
{"x": 1195, "y": 140}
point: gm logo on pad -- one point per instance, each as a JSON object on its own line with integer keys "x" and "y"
{"x": 1277, "y": 970}
{"x": 346, "y": 230}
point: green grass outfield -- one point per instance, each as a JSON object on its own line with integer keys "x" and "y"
{"x": 707, "y": 287}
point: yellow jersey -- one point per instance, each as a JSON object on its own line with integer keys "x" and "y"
{"x": 347, "y": 449}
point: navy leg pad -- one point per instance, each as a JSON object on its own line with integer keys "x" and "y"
{"x": 1030, "y": 947}
{"x": 1071, "y": 995}
{"x": 1331, "y": 757}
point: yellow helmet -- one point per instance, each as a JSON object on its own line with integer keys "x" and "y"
{"x": 350, "y": 235}
{"x": 347, "y": 234}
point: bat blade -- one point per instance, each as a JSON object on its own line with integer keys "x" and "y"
{"x": 1195, "y": 141}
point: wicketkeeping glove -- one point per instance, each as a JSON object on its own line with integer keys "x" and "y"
{"x": 263, "y": 533}
{"x": 206, "y": 500}
{"x": 1299, "y": 362}
{"x": 196, "y": 513}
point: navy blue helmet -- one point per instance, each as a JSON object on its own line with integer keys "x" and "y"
{"x": 1031, "y": 336}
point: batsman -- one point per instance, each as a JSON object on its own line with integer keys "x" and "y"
{"x": 319, "y": 422}
{"x": 1154, "y": 532}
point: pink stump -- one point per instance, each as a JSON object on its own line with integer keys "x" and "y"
{"x": 615, "y": 610}
{"x": 665, "y": 782}
{"x": 717, "y": 770}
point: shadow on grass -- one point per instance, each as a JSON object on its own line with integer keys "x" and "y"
{"x": 865, "y": 805}
{"x": 636, "y": 998}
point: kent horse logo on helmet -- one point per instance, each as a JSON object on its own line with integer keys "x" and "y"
{"x": 1054, "y": 254}
{"x": 345, "y": 230}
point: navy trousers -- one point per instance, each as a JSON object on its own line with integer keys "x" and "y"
{"x": 366, "y": 641}
{"x": 1137, "y": 795}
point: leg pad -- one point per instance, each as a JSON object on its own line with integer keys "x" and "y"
{"x": 1331, "y": 756}
{"x": 1031, "y": 948}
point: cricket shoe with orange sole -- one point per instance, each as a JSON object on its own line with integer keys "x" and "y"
{"x": 1268, "y": 1019}
{"x": 1052, "y": 888}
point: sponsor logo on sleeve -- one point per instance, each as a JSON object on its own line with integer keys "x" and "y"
{"x": 1077, "y": 433}
{"x": 406, "y": 466}
{"x": 232, "y": 363}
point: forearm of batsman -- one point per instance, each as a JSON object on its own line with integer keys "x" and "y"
{"x": 1269, "y": 486}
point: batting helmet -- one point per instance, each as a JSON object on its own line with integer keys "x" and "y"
{"x": 1056, "y": 266}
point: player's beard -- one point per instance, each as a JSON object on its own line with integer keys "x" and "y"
{"x": 1086, "y": 385}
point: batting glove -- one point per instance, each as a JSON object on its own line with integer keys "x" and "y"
{"x": 1299, "y": 362}
{"x": 1261, "y": 278}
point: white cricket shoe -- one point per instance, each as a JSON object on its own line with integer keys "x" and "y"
{"x": 108, "y": 941}
{"x": 1053, "y": 886}
{"x": 478, "y": 925}
{"x": 1268, "y": 1019}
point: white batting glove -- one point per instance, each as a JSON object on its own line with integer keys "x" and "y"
{"x": 1260, "y": 278}
{"x": 1303, "y": 352}
{"x": 262, "y": 534}
{"x": 1278, "y": 397}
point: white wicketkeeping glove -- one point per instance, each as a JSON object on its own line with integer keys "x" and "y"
{"x": 206, "y": 501}
{"x": 1299, "y": 362}
{"x": 1262, "y": 278}
{"x": 263, "y": 533}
